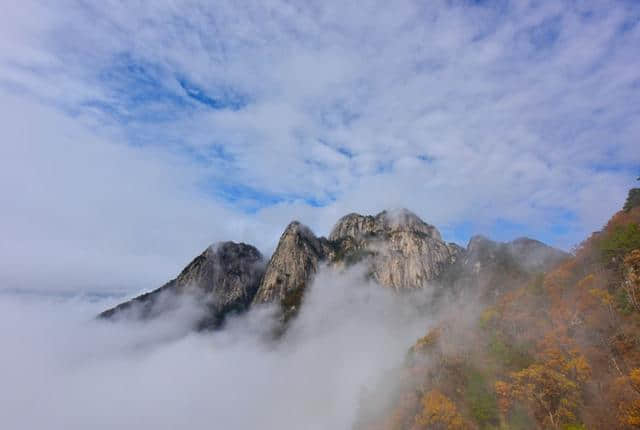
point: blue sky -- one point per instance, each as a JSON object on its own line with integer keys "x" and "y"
{"x": 134, "y": 134}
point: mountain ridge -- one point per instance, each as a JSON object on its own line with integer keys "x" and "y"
{"x": 399, "y": 249}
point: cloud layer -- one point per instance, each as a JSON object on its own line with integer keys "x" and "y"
{"x": 135, "y": 134}
{"x": 62, "y": 370}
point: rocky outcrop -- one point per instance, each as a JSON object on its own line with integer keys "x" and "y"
{"x": 291, "y": 268}
{"x": 225, "y": 278}
{"x": 386, "y": 222}
{"x": 402, "y": 251}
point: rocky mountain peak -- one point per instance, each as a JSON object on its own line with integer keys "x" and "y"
{"x": 294, "y": 262}
{"x": 224, "y": 277}
{"x": 529, "y": 254}
{"x": 384, "y": 223}
{"x": 402, "y": 250}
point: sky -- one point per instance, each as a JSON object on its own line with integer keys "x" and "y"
{"x": 135, "y": 134}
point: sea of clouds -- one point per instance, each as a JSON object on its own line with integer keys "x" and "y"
{"x": 62, "y": 369}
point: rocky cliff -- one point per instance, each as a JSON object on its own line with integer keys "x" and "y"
{"x": 291, "y": 268}
{"x": 402, "y": 251}
{"x": 225, "y": 278}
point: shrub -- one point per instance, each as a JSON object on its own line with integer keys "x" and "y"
{"x": 633, "y": 199}
{"x": 481, "y": 399}
{"x": 620, "y": 241}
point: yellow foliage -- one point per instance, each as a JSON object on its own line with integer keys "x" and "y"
{"x": 578, "y": 368}
{"x": 632, "y": 414}
{"x": 439, "y": 413}
{"x": 628, "y": 400}
{"x": 427, "y": 341}
{"x": 553, "y": 388}
{"x": 488, "y": 316}
{"x": 634, "y": 378}
{"x": 602, "y": 295}
{"x": 587, "y": 282}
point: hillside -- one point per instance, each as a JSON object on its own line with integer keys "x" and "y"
{"x": 560, "y": 350}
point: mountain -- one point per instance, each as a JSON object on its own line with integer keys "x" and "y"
{"x": 401, "y": 250}
{"x": 291, "y": 268}
{"x": 398, "y": 249}
{"x": 225, "y": 277}
{"x": 486, "y": 266}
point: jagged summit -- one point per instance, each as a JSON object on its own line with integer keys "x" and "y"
{"x": 291, "y": 266}
{"x": 225, "y": 276}
{"x": 386, "y": 222}
{"x": 402, "y": 251}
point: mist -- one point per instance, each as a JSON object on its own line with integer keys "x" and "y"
{"x": 63, "y": 369}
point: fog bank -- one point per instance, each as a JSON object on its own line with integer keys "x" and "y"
{"x": 61, "y": 369}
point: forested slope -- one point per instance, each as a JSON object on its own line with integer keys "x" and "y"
{"x": 559, "y": 351}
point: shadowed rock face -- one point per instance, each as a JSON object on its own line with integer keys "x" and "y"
{"x": 486, "y": 265}
{"x": 528, "y": 255}
{"x": 225, "y": 278}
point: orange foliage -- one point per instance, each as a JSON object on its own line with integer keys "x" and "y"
{"x": 628, "y": 398}
{"x": 439, "y": 413}
{"x": 503, "y": 392}
{"x": 557, "y": 350}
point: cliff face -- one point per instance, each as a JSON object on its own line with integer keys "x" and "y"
{"x": 225, "y": 277}
{"x": 402, "y": 251}
{"x": 291, "y": 268}
{"x": 361, "y": 226}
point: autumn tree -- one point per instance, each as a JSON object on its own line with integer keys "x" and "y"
{"x": 626, "y": 393}
{"x": 439, "y": 413}
{"x": 553, "y": 388}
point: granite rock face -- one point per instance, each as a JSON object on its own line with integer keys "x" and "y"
{"x": 225, "y": 278}
{"x": 362, "y": 226}
{"x": 291, "y": 268}
{"x": 402, "y": 251}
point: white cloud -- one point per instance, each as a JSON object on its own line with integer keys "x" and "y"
{"x": 523, "y": 113}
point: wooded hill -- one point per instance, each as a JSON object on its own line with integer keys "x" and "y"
{"x": 560, "y": 350}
